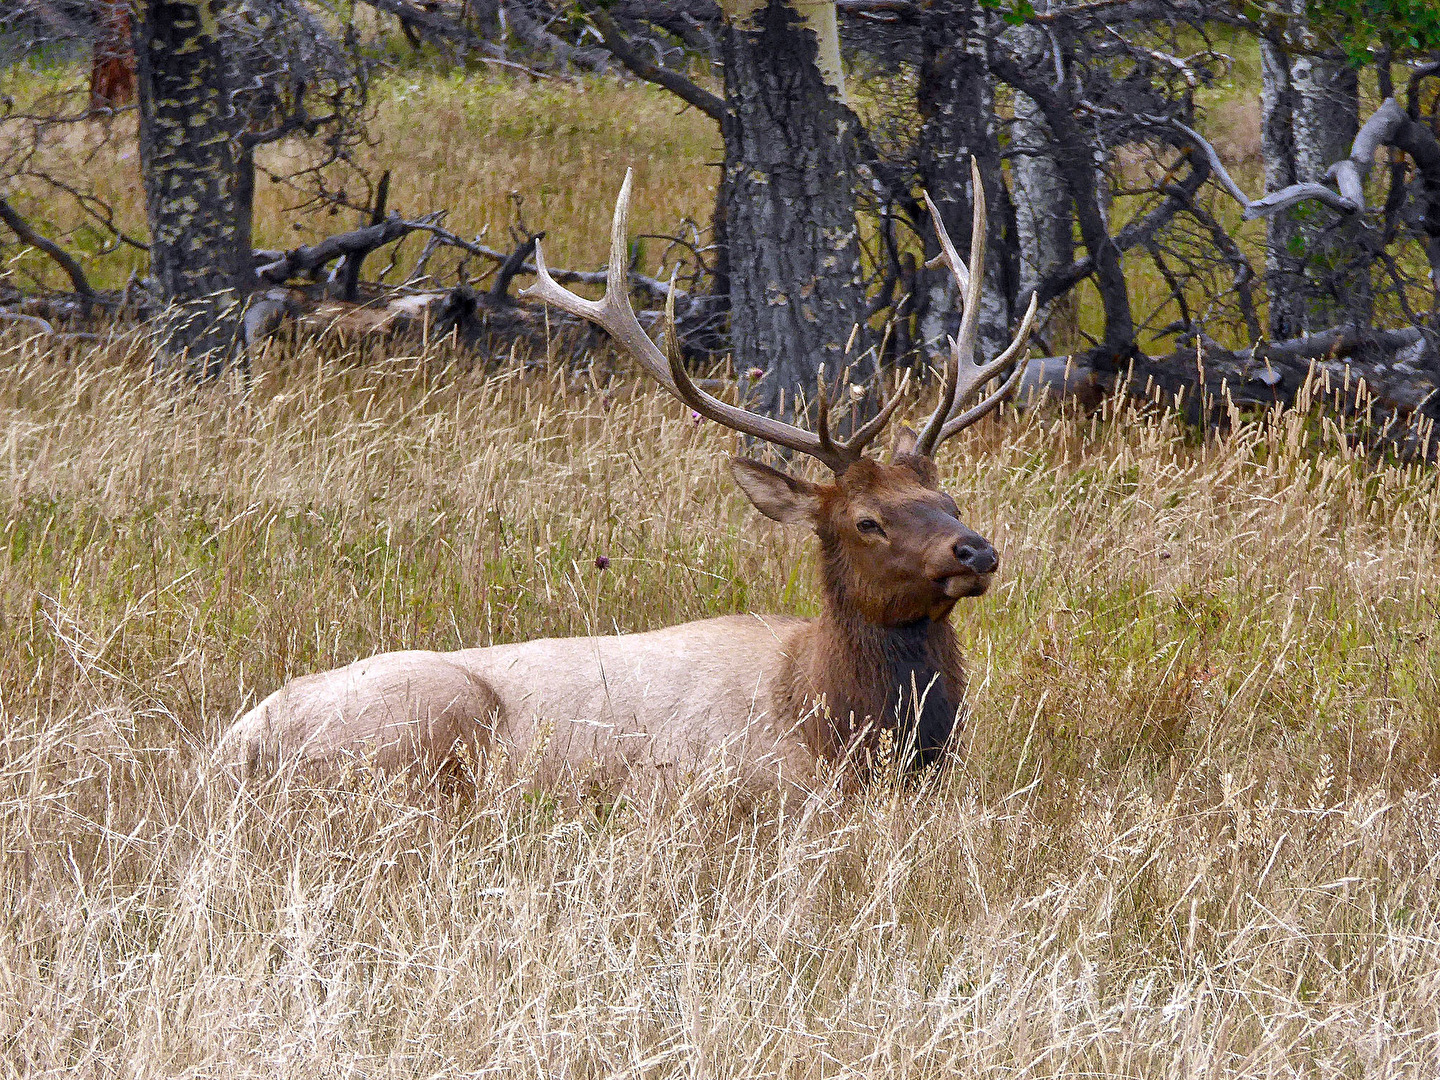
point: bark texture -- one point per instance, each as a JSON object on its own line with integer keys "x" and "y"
{"x": 1283, "y": 262}
{"x": 957, "y": 103}
{"x": 199, "y": 184}
{"x": 1327, "y": 116}
{"x": 1044, "y": 230}
{"x": 1076, "y": 166}
{"x": 1316, "y": 273}
{"x": 790, "y": 164}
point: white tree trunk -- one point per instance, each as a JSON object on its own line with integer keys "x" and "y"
{"x": 1284, "y": 269}
{"x": 1044, "y": 224}
{"x": 957, "y": 104}
{"x": 1310, "y": 104}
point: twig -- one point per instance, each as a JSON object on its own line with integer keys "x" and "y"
{"x": 437, "y": 28}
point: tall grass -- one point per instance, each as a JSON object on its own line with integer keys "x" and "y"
{"x": 1191, "y": 826}
{"x": 462, "y": 142}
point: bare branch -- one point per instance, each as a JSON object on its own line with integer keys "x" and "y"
{"x": 438, "y": 29}
{"x": 625, "y": 51}
{"x": 352, "y": 245}
{"x": 29, "y": 320}
{"x": 653, "y": 286}
{"x": 63, "y": 258}
{"x": 1348, "y": 173}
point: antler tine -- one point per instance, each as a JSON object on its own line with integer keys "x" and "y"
{"x": 835, "y": 458}
{"x": 971, "y": 281}
{"x": 613, "y": 312}
{"x": 876, "y": 424}
{"x": 853, "y": 447}
{"x": 822, "y": 412}
{"x": 963, "y": 376}
{"x": 957, "y": 424}
{"x": 926, "y": 441}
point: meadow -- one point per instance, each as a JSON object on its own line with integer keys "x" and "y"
{"x": 1191, "y": 826}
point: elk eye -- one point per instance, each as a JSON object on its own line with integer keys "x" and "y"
{"x": 870, "y": 527}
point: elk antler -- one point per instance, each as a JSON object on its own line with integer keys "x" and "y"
{"x": 963, "y": 376}
{"x": 614, "y": 314}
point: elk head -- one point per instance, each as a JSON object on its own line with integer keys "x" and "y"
{"x": 895, "y": 548}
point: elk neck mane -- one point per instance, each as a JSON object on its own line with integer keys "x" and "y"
{"x": 904, "y": 677}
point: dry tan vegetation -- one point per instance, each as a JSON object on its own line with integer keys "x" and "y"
{"x": 461, "y": 143}
{"x": 1191, "y": 827}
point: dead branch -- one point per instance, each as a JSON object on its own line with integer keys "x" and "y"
{"x": 1349, "y": 173}
{"x": 29, "y": 320}
{"x": 355, "y": 244}
{"x": 624, "y": 50}
{"x": 500, "y": 290}
{"x": 346, "y": 279}
{"x": 440, "y": 30}
{"x": 62, "y": 258}
{"x": 653, "y": 286}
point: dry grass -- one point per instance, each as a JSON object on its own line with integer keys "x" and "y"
{"x": 454, "y": 142}
{"x": 1192, "y": 828}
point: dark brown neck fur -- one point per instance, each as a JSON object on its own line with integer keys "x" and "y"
{"x": 905, "y": 678}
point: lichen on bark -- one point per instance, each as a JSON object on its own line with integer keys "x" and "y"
{"x": 199, "y": 183}
{"x": 790, "y": 161}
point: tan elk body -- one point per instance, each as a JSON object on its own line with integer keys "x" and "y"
{"x": 770, "y": 696}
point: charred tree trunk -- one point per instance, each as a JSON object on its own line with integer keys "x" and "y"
{"x": 957, "y": 105}
{"x": 790, "y": 162}
{"x": 199, "y": 184}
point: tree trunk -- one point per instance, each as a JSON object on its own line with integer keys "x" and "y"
{"x": 794, "y": 253}
{"x": 957, "y": 106}
{"x": 1044, "y": 222}
{"x": 1326, "y": 118}
{"x": 1072, "y": 157}
{"x": 199, "y": 184}
{"x": 1316, "y": 269}
{"x": 1284, "y": 267}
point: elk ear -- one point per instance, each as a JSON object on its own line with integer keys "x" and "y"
{"x": 779, "y": 496}
{"x": 904, "y": 444}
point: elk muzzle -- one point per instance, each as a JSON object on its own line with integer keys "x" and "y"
{"x": 966, "y": 567}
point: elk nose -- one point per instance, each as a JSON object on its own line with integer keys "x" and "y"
{"x": 976, "y": 556}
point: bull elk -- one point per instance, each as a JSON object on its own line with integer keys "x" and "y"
{"x": 775, "y": 695}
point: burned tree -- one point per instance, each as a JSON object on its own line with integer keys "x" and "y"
{"x": 791, "y": 155}
{"x": 199, "y": 181}
{"x": 217, "y": 79}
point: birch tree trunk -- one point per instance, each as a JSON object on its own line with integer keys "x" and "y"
{"x": 1284, "y": 264}
{"x": 1326, "y": 117}
{"x": 957, "y": 106}
{"x": 1044, "y": 222}
{"x": 1316, "y": 276}
{"x": 199, "y": 183}
{"x": 790, "y": 163}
